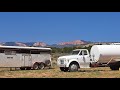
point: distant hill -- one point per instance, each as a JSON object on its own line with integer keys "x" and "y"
{"x": 42, "y": 44}
{"x": 29, "y": 43}
{"x": 76, "y": 42}
{"x": 39, "y": 44}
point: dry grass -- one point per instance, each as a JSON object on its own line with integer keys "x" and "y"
{"x": 101, "y": 72}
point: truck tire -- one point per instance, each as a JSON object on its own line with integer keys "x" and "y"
{"x": 113, "y": 67}
{"x": 73, "y": 67}
{"x": 65, "y": 69}
{"x": 62, "y": 68}
{"x": 41, "y": 66}
{"x": 36, "y": 66}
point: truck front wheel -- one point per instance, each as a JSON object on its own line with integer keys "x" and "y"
{"x": 73, "y": 67}
{"x": 62, "y": 68}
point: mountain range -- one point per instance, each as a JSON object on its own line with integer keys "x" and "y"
{"x": 42, "y": 44}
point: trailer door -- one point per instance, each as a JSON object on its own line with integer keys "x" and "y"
{"x": 27, "y": 60}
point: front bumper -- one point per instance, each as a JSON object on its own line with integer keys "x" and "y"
{"x": 62, "y": 65}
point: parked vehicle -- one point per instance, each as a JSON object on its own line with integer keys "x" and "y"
{"x": 99, "y": 56}
{"x": 25, "y": 57}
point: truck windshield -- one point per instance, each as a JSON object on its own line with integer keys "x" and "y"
{"x": 75, "y": 52}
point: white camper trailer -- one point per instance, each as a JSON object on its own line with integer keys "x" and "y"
{"x": 99, "y": 56}
{"x": 25, "y": 57}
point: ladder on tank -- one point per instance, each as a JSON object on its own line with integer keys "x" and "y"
{"x": 111, "y": 60}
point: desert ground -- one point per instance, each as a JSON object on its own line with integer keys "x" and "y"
{"x": 101, "y": 72}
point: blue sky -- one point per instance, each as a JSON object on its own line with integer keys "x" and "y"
{"x": 55, "y": 27}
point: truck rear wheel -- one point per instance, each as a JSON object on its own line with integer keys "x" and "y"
{"x": 112, "y": 67}
{"x": 73, "y": 67}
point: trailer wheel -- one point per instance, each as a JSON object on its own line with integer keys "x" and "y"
{"x": 22, "y": 68}
{"x": 28, "y": 68}
{"x": 73, "y": 67}
{"x": 113, "y": 67}
{"x": 65, "y": 69}
{"x": 36, "y": 66}
{"x": 41, "y": 66}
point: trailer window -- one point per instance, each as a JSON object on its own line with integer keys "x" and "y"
{"x": 7, "y": 52}
{"x": 35, "y": 52}
{"x": 1, "y": 51}
{"x": 25, "y": 51}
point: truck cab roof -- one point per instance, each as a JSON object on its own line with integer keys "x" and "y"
{"x": 79, "y": 49}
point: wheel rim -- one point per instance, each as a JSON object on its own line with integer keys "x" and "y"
{"x": 36, "y": 66}
{"x": 41, "y": 66}
{"x": 74, "y": 67}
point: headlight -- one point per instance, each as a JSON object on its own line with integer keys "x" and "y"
{"x": 62, "y": 60}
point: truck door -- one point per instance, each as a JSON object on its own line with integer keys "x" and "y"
{"x": 85, "y": 59}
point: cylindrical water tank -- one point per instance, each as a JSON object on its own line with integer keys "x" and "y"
{"x": 104, "y": 53}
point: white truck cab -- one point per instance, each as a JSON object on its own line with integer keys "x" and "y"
{"x": 80, "y": 58}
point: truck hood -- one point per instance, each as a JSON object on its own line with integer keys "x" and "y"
{"x": 69, "y": 57}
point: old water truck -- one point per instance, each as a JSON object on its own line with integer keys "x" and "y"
{"x": 99, "y": 56}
